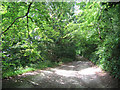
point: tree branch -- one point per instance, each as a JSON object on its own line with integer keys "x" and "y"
{"x": 28, "y": 9}
{"x": 28, "y": 27}
{"x": 12, "y": 23}
{"x": 18, "y": 18}
{"x": 31, "y": 19}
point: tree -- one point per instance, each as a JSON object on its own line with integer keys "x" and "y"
{"x": 34, "y": 32}
{"x": 38, "y": 31}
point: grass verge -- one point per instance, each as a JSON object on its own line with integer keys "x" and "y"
{"x": 32, "y": 67}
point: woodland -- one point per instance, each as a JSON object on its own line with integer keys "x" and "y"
{"x": 37, "y": 35}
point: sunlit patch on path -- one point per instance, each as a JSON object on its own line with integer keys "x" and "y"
{"x": 77, "y": 74}
{"x": 90, "y": 71}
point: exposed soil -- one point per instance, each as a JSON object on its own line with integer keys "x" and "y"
{"x": 77, "y": 74}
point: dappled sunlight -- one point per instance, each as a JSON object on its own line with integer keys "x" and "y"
{"x": 48, "y": 72}
{"x": 82, "y": 71}
{"x": 89, "y": 71}
{"x": 71, "y": 66}
{"x": 86, "y": 76}
{"x": 76, "y": 74}
{"x": 73, "y": 73}
{"x": 66, "y": 73}
{"x": 60, "y": 44}
{"x": 30, "y": 73}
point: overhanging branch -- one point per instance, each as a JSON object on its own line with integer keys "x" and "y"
{"x": 31, "y": 19}
{"x": 28, "y": 9}
{"x": 18, "y": 18}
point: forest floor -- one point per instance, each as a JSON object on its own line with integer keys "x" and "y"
{"x": 76, "y": 74}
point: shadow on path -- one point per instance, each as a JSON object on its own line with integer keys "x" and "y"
{"x": 77, "y": 74}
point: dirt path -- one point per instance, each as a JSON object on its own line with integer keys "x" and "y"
{"x": 77, "y": 74}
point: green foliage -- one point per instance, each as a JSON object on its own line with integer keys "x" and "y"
{"x": 99, "y": 35}
{"x": 53, "y": 33}
{"x": 41, "y": 38}
{"x": 17, "y": 72}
